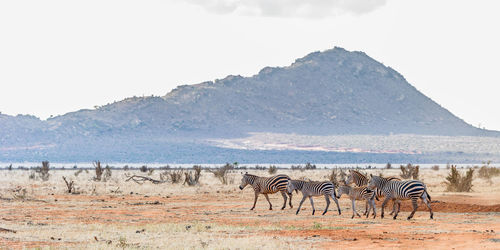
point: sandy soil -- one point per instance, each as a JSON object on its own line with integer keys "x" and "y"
{"x": 119, "y": 214}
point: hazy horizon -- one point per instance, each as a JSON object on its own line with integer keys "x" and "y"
{"x": 59, "y": 57}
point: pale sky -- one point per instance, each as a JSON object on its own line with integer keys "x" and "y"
{"x": 61, "y": 56}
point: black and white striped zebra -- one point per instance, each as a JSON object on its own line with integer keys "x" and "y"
{"x": 361, "y": 180}
{"x": 267, "y": 185}
{"x": 401, "y": 190}
{"x": 359, "y": 193}
{"x": 314, "y": 188}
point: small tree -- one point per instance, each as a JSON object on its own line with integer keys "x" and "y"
{"x": 409, "y": 172}
{"x": 221, "y": 173}
{"x": 272, "y": 169}
{"x": 43, "y": 172}
{"x": 98, "y": 171}
{"x": 455, "y": 182}
{"x": 193, "y": 179}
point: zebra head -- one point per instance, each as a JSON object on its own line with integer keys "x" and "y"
{"x": 350, "y": 178}
{"x": 246, "y": 179}
{"x": 375, "y": 182}
{"x": 294, "y": 185}
{"x": 343, "y": 190}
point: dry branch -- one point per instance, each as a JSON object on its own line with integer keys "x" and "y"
{"x": 141, "y": 179}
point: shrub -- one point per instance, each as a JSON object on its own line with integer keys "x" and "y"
{"x": 221, "y": 173}
{"x": 98, "y": 171}
{"x": 337, "y": 177}
{"x": 43, "y": 172}
{"x": 272, "y": 169}
{"x": 144, "y": 168}
{"x": 175, "y": 176}
{"x": 455, "y": 182}
{"x": 388, "y": 166}
{"x": 107, "y": 173}
{"x": 193, "y": 179}
{"x": 487, "y": 172}
{"x": 409, "y": 172}
{"x": 78, "y": 172}
{"x": 435, "y": 167}
{"x": 310, "y": 166}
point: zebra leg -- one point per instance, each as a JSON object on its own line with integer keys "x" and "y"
{"x": 336, "y": 202}
{"x": 368, "y": 206}
{"x": 255, "y": 200}
{"x": 383, "y": 206}
{"x": 284, "y": 198}
{"x": 270, "y": 205}
{"x": 290, "y": 201}
{"x": 414, "y": 202}
{"x": 429, "y": 206}
{"x": 394, "y": 204}
{"x": 300, "y": 204}
{"x": 312, "y": 204}
{"x": 353, "y": 209}
{"x": 327, "y": 203}
{"x": 374, "y": 211}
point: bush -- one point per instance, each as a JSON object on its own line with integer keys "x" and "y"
{"x": 455, "y": 182}
{"x": 487, "y": 172}
{"x": 175, "y": 176}
{"x": 435, "y": 167}
{"x": 388, "y": 166}
{"x": 107, "y": 173}
{"x": 409, "y": 172}
{"x": 98, "y": 171}
{"x": 337, "y": 177}
{"x": 42, "y": 172}
{"x": 272, "y": 169}
{"x": 221, "y": 173}
{"x": 193, "y": 179}
{"x": 310, "y": 166}
{"x": 144, "y": 168}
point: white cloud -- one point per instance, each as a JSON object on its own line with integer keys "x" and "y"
{"x": 290, "y": 8}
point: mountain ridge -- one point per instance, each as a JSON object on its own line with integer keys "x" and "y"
{"x": 322, "y": 93}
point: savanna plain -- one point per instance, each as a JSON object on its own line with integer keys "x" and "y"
{"x": 116, "y": 212}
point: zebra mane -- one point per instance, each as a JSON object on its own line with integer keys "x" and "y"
{"x": 359, "y": 173}
{"x": 250, "y": 175}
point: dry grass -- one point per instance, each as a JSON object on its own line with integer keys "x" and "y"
{"x": 213, "y": 215}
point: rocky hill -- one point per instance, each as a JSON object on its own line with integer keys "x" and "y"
{"x": 323, "y": 93}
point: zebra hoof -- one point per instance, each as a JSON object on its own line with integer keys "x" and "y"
{"x": 432, "y": 216}
{"x": 409, "y": 218}
{"x": 394, "y": 217}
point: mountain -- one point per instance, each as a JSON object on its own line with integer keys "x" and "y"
{"x": 323, "y": 93}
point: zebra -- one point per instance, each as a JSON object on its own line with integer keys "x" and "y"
{"x": 313, "y": 188}
{"x": 359, "y": 193}
{"x": 401, "y": 190}
{"x": 267, "y": 185}
{"x": 361, "y": 180}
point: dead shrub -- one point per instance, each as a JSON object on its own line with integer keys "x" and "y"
{"x": 221, "y": 173}
{"x": 455, "y": 182}
{"x": 174, "y": 176}
{"x": 487, "y": 172}
{"x": 107, "y": 173}
{"x": 191, "y": 178}
{"x": 409, "y": 172}
{"x": 435, "y": 167}
{"x": 78, "y": 172}
{"x": 337, "y": 177}
{"x": 272, "y": 169}
{"x": 41, "y": 172}
{"x": 98, "y": 171}
{"x": 69, "y": 185}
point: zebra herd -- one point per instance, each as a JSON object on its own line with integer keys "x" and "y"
{"x": 366, "y": 188}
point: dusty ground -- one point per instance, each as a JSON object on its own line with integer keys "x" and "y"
{"x": 119, "y": 214}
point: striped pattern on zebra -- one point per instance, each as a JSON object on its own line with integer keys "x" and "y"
{"x": 401, "y": 190}
{"x": 361, "y": 180}
{"x": 359, "y": 193}
{"x": 314, "y": 188}
{"x": 267, "y": 185}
